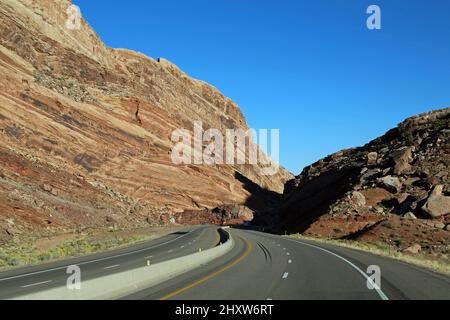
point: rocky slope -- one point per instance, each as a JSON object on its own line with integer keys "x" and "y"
{"x": 85, "y": 132}
{"x": 396, "y": 189}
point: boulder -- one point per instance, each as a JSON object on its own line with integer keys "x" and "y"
{"x": 375, "y": 195}
{"x": 368, "y": 175}
{"x": 447, "y": 227}
{"x": 358, "y": 199}
{"x": 434, "y": 224}
{"x": 437, "y": 204}
{"x": 415, "y": 249}
{"x": 410, "y": 216}
{"x": 372, "y": 158}
{"x": 390, "y": 183}
{"x": 402, "y": 158}
{"x": 47, "y": 187}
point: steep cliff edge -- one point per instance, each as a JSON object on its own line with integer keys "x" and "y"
{"x": 85, "y": 132}
{"x": 396, "y": 189}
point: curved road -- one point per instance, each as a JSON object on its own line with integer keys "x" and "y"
{"x": 41, "y": 277}
{"x": 263, "y": 266}
{"x": 259, "y": 267}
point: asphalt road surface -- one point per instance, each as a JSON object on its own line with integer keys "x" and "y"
{"x": 268, "y": 267}
{"x": 259, "y": 267}
{"x": 37, "y": 278}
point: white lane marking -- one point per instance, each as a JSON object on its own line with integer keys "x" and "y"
{"x": 112, "y": 267}
{"x": 182, "y": 247}
{"x": 36, "y": 284}
{"x": 284, "y": 249}
{"x": 288, "y": 254}
{"x": 268, "y": 299}
{"x": 285, "y": 275}
{"x": 382, "y": 295}
{"x": 170, "y": 251}
{"x": 289, "y": 261}
{"x": 97, "y": 260}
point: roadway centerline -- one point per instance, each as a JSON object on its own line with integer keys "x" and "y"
{"x": 112, "y": 267}
{"x": 285, "y": 275}
{"x": 36, "y": 284}
{"x": 214, "y": 274}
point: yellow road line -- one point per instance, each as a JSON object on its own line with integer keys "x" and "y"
{"x": 212, "y": 275}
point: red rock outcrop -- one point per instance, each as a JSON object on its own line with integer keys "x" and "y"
{"x": 386, "y": 191}
{"x": 85, "y": 135}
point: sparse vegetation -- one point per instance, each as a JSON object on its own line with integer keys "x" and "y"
{"x": 407, "y": 137}
{"x": 13, "y": 255}
{"x": 439, "y": 124}
{"x": 438, "y": 264}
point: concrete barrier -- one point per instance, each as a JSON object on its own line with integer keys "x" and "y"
{"x": 128, "y": 282}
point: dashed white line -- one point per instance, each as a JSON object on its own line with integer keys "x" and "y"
{"x": 288, "y": 254}
{"x": 112, "y": 267}
{"x": 285, "y": 275}
{"x": 36, "y": 284}
{"x": 96, "y": 260}
{"x": 170, "y": 251}
{"x": 289, "y": 261}
{"x": 284, "y": 249}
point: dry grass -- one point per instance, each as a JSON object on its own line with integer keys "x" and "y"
{"x": 440, "y": 264}
{"x": 16, "y": 255}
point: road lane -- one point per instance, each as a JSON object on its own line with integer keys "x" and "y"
{"x": 259, "y": 267}
{"x": 37, "y": 278}
{"x": 283, "y": 268}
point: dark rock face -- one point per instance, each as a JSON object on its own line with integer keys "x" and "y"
{"x": 222, "y": 215}
{"x": 403, "y": 173}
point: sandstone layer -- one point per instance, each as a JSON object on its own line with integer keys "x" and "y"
{"x": 85, "y": 132}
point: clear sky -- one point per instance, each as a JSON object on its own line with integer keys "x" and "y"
{"x": 309, "y": 68}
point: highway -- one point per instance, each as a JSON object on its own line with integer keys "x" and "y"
{"x": 269, "y": 267}
{"x": 41, "y": 277}
{"x": 259, "y": 267}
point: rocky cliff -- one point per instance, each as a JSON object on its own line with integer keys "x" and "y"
{"x": 395, "y": 189}
{"x": 85, "y": 132}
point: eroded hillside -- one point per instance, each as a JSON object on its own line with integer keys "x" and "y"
{"x": 85, "y": 137}
{"x": 394, "y": 190}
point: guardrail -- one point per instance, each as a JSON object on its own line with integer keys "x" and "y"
{"x": 121, "y": 284}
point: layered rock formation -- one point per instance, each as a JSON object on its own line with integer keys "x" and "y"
{"x": 395, "y": 189}
{"x": 85, "y": 131}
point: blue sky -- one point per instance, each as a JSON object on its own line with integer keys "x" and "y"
{"x": 310, "y": 68}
